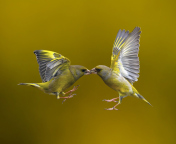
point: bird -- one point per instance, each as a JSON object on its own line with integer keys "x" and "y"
{"x": 124, "y": 68}
{"x": 57, "y": 74}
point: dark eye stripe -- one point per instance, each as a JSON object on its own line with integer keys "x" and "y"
{"x": 98, "y": 70}
{"x": 83, "y": 70}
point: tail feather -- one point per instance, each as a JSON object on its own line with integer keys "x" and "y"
{"x": 30, "y": 84}
{"x": 141, "y": 97}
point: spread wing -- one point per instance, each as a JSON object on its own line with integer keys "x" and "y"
{"x": 124, "y": 59}
{"x": 50, "y": 63}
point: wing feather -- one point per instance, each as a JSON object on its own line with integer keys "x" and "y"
{"x": 118, "y": 44}
{"x": 126, "y": 60}
{"x": 50, "y": 63}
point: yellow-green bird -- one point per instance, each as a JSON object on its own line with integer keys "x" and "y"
{"x": 57, "y": 74}
{"x": 124, "y": 68}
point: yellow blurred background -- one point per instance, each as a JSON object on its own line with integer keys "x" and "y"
{"x": 84, "y": 31}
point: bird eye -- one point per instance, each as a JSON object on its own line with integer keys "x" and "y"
{"x": 83, "y": 70}
{"x": 98, "y": 70}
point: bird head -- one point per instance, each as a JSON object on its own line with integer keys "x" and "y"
{"x": 78, "y": 71}
{"x": 85, "y": 71}
{"x": 101, "y": 70}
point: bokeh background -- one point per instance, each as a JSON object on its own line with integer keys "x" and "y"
{"x": 84, "y": 31}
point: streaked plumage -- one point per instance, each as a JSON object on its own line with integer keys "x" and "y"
{"x": 56, "y": 72}
{"x": 124, "y": 68}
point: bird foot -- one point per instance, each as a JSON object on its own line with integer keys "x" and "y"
{"x": 111, "y": 100}
{"x": 113, "y": 108}
{"x": 70, "y": 95}
{"x": 74, "y": 88}
{"x": 65, "y": 98}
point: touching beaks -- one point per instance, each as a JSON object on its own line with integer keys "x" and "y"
{"x": 93, "y": 71}
{"x": 87, "y": 72}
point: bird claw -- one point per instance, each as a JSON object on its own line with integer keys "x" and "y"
{"x": 70, "y": 95}
{"x": 74, "y": 88}
{"x": 64, "y": 101}
{"x": 108, "y": 108}
{"x": 113, "y": 108}
{"x": 65, "y": 98}
{"x": 111, "y": 100}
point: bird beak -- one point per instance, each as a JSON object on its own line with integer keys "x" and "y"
{"x": 93, "y": 71}
{"x": 87, "y": 72}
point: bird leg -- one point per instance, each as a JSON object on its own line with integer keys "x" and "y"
{"x": 111, "y": 100}
{"x": 119, "y": 102}
{"x": 74, "y": 88}
{"x": 70, "y": 95}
